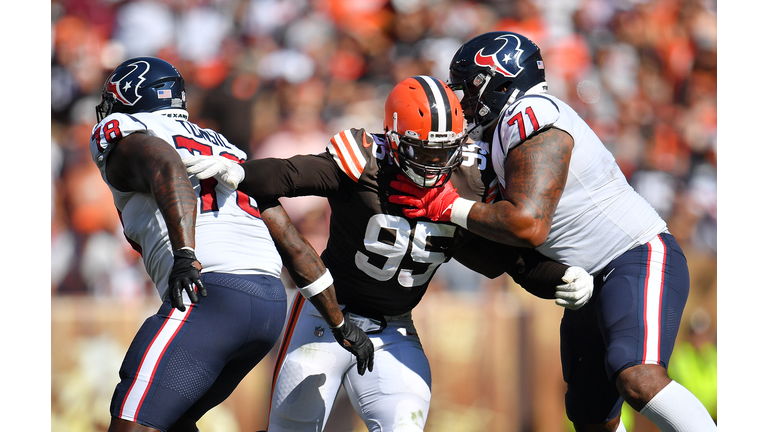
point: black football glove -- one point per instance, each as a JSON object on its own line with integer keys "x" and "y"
{"x": 184, "y": 275}
{"x": 354, "y": 340}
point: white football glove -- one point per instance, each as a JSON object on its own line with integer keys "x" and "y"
{"x": 577, "y": 289}
{"x": 225, "y": 171}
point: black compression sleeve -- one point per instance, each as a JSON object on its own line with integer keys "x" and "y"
{"x": 533, "y": 271}
{"x": 537, "y": 274}
{"x": 301, "y": 175}
{"x": 473, "y": 255}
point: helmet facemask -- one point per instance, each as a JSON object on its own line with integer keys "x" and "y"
{"x": 428, "y": 163}
{"x": 470, "y": 93}
{"x": 104, "y": 108}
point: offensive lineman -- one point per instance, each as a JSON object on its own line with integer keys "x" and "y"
{"x": 381, "y": 261}
{"x": 222, "y": 314}
{"x": 565, "y": 195}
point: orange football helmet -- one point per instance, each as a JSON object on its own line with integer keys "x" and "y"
{"x": 425, "y": 130}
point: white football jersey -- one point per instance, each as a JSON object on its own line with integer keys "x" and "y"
{"x": 599, "y": 216}
{"x": 230, "y": 236}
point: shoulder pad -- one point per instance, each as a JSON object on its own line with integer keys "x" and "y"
{"x": 114, "y": 127}
{"x": 526, "y": 116}
{"x": 351, "y": 149}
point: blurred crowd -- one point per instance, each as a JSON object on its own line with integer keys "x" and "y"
{"x": 280, "y": 77}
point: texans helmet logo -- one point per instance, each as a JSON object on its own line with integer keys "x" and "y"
{"x": 507, "y": 65}
{"x": 125, "y": 88}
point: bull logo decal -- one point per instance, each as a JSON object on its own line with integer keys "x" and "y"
{"x": 125, "y": 87}
{"x": 509, "y": 64}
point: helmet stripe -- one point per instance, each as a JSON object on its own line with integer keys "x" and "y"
{"x": 440, "y": 108}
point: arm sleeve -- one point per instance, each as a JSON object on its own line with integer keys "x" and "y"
{"x": 536, "y": 273}
{"x": 472, "y": 255}
{"x": 270, "y": 178}
{"x": 533, "y": 271}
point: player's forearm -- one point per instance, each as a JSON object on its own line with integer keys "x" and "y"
{"x": 537, "y": 274}
{"x": 266, "y": 179}
{"x": 487, "y": 257}
{"x": 302, "y": 262}
{"x": 173, "y": 192}
{"x": 302, "y": 175}
{"x": 178, "y": 204}
{"x": 310, "y": 275}
{"x": 300, "y": 258}
{"x": 536, "y": 172}
{"x": 505, "y": 223}
{"x": 325, "y": 302}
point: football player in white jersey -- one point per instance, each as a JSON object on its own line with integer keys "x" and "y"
{"x": 565, "y": 196}
{"x": 223, "y": 313}
{"x": 381, "y": 261}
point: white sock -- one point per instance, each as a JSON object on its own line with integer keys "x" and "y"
{"x": 676, "y": 409}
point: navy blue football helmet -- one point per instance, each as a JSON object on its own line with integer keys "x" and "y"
{"x": 491, "y": 71}
{"x": 142, "y": 84}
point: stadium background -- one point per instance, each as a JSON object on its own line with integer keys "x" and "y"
{"x": 279, "y": 77}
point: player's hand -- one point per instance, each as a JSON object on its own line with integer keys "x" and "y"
{"x": 225, "y": 171}
{"x": 354, "y": 340}
{"x": 185, "y": 274}
{"x": 577, "y": 289}
{"x": 434, "y": 203}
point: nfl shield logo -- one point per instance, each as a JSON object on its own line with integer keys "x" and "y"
{"x": 319, "y": 331}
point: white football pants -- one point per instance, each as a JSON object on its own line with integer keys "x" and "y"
{"x": 393, "y": 398}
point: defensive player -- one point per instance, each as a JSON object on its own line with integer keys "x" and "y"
{"x": 565, "y": 195}
{"x": 381, "y": 261}
{"x": 222, "y": 314}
